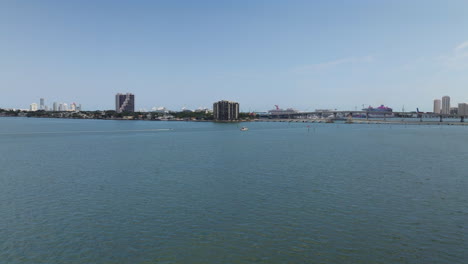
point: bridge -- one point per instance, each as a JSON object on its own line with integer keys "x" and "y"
{"x": 366, "y": 114}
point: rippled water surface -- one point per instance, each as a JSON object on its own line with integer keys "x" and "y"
{"x": 90, "y": 191}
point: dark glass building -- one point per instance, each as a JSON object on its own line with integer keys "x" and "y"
{"x": 124, "y": 102}
{"x": 42, "y": 104}
{"x": 226, "y": 111}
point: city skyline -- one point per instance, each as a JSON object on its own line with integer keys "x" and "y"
{"x": 442, "y": 106}
{"x": 299, "y": 54}
{"x": 53, "y": 106}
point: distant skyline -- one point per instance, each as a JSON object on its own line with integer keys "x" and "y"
{"x": 301, "y": 54}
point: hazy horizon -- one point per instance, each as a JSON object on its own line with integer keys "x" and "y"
{"x": 300, "y": 54}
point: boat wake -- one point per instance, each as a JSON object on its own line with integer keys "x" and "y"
{"x": 89, "y": 131}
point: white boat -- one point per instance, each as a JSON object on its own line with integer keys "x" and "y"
{"x": 244, "y": 129}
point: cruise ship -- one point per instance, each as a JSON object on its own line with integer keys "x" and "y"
{"x": 381, "y": 111}
{"x": 282, "y": 113}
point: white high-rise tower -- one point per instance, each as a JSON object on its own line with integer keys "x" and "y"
{"x": 437, "y": 104}
{"x": 446, "y": 105}
{"x": 33, "y": 107}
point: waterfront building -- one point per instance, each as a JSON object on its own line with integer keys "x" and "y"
{"x": 437, "y": 106}
{"x": 124, "y": 102}
{"x": 454, "y": 111}
{"x": 202, "y": 110}
{"x": 63, "y": 107}
{"x": 41, "y": 104}
{"x": 161, "y": 109}
{"x": 463, "y": 109}
{"x": 185, "y": 110}
{"x": 446, "y": 105}
{"x": 73, "y": 107}
{"x": 33, "y": 107}
{"x": 226, "y": 111}
{"x": 55, "y": 107}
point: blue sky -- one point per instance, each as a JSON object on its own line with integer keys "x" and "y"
{"x": 301, "y": 54}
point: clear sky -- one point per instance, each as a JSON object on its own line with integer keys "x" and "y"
{"x": 301, "y": 54}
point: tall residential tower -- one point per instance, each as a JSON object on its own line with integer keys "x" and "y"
{"x": 124, "y": 102}
{"x": 42, "y": 104}
{"x": 446, "y": 105}
{"x": 437, "y": 106}
{"x": 463, "y": 109}
{"x": 33, "y": 107}
{"x": 226, "y": 111}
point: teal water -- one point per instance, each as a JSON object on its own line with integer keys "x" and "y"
{"x": 91, "y": 191}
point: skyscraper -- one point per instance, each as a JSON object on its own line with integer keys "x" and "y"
{"x": 454, "y": 111}
{"x": 55, "y": 107}
{"x": 124, "y": 102}
{"x": 446, "y": 105}
{"x": 63, "y": 107}
{"x": 463, "y": 109}
{"x": 437, "y": 106}
{"x": 41, "y": 104}
{"x": 226, "y": 111}
{"x": 33, "y": 107}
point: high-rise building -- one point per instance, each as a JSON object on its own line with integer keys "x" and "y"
{"x": 226, "y": 111}
{"x": 55, "y": 107}
{"x": 437, "y": 104}
{"x": 124, "y": 102}
{"x": 41, "y": 104}
{"x": 463, "y": 109}
{"x": 446, "y": 105}
{"x": 33, "y": 107}
{"x": 454, "y": 111}
{"x": 63, "y": 107}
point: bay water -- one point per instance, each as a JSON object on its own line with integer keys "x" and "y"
{"x": 99, "y": 191}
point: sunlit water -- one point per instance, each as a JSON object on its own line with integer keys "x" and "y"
{"x": 90, "y": 191}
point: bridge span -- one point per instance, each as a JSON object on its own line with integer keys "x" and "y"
{"x": 364, "y": 114}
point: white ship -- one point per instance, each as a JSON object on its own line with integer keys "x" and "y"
{"x": 282, "y": 112}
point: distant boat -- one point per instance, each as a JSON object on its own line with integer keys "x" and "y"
{"x": 244, "y": 129}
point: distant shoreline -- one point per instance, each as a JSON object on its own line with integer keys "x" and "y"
{"x": 124, "y": 119}
{"x": 306, "y": 121}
